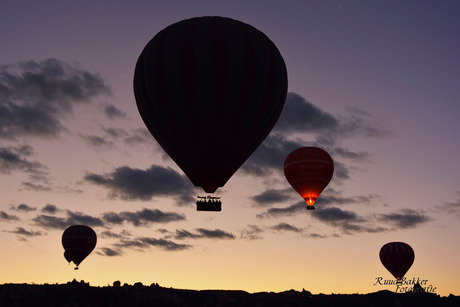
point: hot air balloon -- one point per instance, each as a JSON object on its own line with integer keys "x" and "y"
{"x": 309, "y": 170}
{"x": 210, "y": 90}
{"x": 397, "y": 258}
{"x": 78, "y": 242}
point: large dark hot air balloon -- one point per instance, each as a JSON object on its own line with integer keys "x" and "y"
{"x": 210, "y": 90}
{"x": 78, "y": 242}
{"x": 397, "y": 258}
{"x": 309, "y": 170}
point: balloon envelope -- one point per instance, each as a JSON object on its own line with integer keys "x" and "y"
{"x": 78, "y": 242}
{"x": 309, "y": 170}
{"x": 397, "y": 258}
{"x": 210, "y": 89}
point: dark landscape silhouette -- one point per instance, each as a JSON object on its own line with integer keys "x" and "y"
{"x": 83, "y": 294}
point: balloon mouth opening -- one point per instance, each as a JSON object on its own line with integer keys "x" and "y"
{"x": 310, "y": 201}
{"x": 398, "y": 280}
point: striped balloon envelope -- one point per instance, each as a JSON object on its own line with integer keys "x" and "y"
{"x": 309, "y": 170}
{"x": 210, "y": 90}
{"x": 78, "y": 242}
{"x": 397, "y": 258}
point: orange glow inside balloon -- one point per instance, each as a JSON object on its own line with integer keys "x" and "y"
{"x": 310, "y": 200}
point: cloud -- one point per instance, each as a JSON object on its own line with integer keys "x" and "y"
{"x": 302, "y": 123}
{"x": 35, "y": 187}
{"x": 22, "y": 233}
{"x": 147, "y": 242}
{"x": 203, "y": 233}
{"x": 97, "y": 141}
{"x": 144, "y": 217}
{"x": 271, "y": 196}
{"x": 333, "y": 214}
{"x": 135, "y": 184}
{"x": 285, "y": 227}
{"x": 61, "y": 223}
{"x": 17, "y": 159}
{"x": 251, "y": 232}
{"x": 405, "y": 218}
{"x": 185, "y": 234}
{"x": 269, "y": 156}
{"x": 360, "y": 156}
{"x": 49, "y": 208}
{"x": 23, "y": 208}
{"x": 109, "y": 252}
{"x": 112, "y": 112}
{"x": 35, "y": 95}
{"x": 348, "y": 221}
{"x": 112, "y": 235}
{"x": 84, "y": 219}
{"x": 286, "y": 211}
{"x": 332, "y": 197}
{"x": 140, "y": 136}
{"x": 300, "y": 115}
{"x": 449, "y": 207}
{"x": 50, "y": 222}
{"x": 7, "y": 217}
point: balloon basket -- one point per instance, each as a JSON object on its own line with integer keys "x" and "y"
{"x": 209, "y": 203}
{"x": 310, "y": 207}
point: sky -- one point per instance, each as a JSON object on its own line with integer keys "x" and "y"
{"x": 375, "y": 83}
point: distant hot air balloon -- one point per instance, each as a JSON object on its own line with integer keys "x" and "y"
{"x": 397, "y": 258}
{"x": 309, "y": 170}
{"x": 78, "y": 242}
{"x": 210, "y": 90}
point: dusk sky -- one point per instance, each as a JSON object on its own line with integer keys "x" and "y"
{"x": 375, "y": 83}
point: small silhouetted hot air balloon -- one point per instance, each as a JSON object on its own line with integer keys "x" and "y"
{"x": 309, "y": 170}
{"x": 397, "y": 258}
{"x": 210, "y": 90}
{"x": 78, "y": 242}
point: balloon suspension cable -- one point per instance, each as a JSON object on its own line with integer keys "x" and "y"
{"x": 208, "y": 203}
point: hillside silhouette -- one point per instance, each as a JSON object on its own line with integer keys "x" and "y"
{"x": 77, "y": 294}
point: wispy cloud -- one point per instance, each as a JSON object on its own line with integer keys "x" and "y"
{"x": 24, "y": 234}
{"x": 112, "y": 112}
{"x": 272, "y": 196}
{"x": 17, "y": 159}
{"x": 137, "y": 184}
{"x": 142, "y": 243}
{"x": 252, "y": 232}
{"x": 204, "y": 233}
{"x": 7, "y": 217}
{"x": 35, "y": 95}
{"x": 285, "y": 211}
{"x": 109, "y": 252}
{"x": 49, "y": 208}
{"x": 143, "y": 217}
{"x": 285, "y": 227}
{"x": 23, "y": 208}
{"x": 405, "y": 218}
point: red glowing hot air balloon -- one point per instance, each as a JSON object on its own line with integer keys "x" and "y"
{"x": 397, "y": 258}
{"x": 309, "y": 170}
{"x": 210, "y": 90}
{"x": 78, "y": 242}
